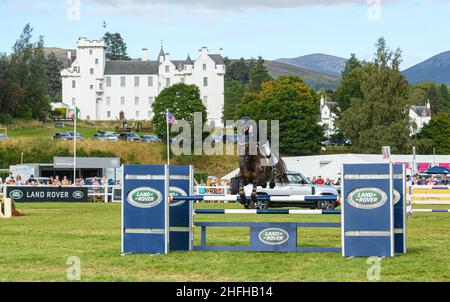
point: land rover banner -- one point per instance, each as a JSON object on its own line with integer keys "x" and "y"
{"x": 47, "y": 194}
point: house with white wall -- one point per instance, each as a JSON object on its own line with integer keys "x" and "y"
{"x": 126, "y": 89}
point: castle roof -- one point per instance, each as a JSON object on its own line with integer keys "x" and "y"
{"x": 131, "y": 67}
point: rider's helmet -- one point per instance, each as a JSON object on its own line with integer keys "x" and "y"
{"x": 245, "y": 128}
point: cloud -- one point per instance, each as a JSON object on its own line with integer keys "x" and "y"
{"x": 208, "y": 5}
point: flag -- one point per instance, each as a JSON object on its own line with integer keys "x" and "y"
{"x": 76, "y": 114}
{"x": 171, "y": 120}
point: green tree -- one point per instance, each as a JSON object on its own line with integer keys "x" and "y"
{"x": 350, "y": 85}
{"x": 116, "y": 48}
{"x": 435, "y": 134}
{"x": 28, "y": 69}
{"x": 54, "y": 84}
{"x": 295, "y": 105}
{"x": 258, "y": 75}
{"x": 238, "y": 70}
{"x": 234, "y": 93}
{"x": 380, "y": 116}
{"x": 11, "y": 98}
{"x": 182, "y": 101}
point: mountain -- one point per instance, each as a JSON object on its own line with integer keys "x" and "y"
{"x": 61, "y": 54}
{"x": 316, "y": 80}
{"x": 322, "y": 63}
{"x": 435, "y": 69}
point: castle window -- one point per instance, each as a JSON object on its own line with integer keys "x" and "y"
{"x": 108, "y": 100}
{"x": 108, "y": 114}
{"x": 167, "y": 69}
{"x": 183, "y": 80}
{"x": 136, "y": 81}
{"x": 122, "y": 82}
{"x": 150, "y": 81}
{"x": 149, "y": 115}
{"x": 74, "y": 84}
{"x": 108, "y": 81}
{"x": 205, "y": 101}
{"x": 92, "y": 87}
{"x": 136, "y": 101}
{"x": 96, "y": 61}
{"x": 90, "y": 51}
{"x": 73, "y": 102}
{"x": 92, "y": 70}
{"x": 205, "y": 82}
{"x": 137, "y": 114}
{"x": 122, "y": 100}
{"x": 204, "y": 66}
{"x": 167, "y": 82}
{"x": 150, "y": 100}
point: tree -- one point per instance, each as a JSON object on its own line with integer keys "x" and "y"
{"x": 238, "y": 70}
{"x": 54, "y": 85}
{"x": 27, "y": 68}
{"x": 295, "y": 105}
{"x": 234, "y": 93}
{"x": 436, "y": 135}
{"x": 258, "y": 75}
{"x": 116, "y": 48}
{"x": 182, "y": 101}
{"x": 11, "y": 98}
{"x": 380, "y": 116}
{"x": 350, "y": 85}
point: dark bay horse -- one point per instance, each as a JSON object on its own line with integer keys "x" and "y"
{"x": 256, "y": 170}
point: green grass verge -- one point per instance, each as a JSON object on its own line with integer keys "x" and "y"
{"x": 36, "y": 248}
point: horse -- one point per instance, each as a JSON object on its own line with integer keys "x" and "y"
{"x": 256, "y": 170}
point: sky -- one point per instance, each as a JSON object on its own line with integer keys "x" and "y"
{"x": 243, "y": 28}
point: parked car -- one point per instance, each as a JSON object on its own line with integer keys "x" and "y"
{"x": 68, "y": 136}
{"x": 150, "y": 139}
{"x": 3, "y": 137}
{"x": 298, "y": 185}
{"x": 129, "y": 137}
{"x": 106, "y": 136}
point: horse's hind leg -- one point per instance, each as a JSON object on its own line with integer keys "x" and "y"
{"x": 254, "y": 195}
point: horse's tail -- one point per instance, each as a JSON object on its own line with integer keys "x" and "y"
{"x": 281, "y": 167}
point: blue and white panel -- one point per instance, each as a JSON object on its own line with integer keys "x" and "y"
{"x": 400, "y": 209}
{"x": 145, "y": 210}
{"x": 181, "y": 184}
{"x": 367, "y": 211}
{"x": 273, "y": 237}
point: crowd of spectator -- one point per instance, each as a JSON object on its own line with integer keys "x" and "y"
{"x": 429, "y": 180}
{"x": 12, "y": 180}
{"x": 213, "y": 187}
{"x": 327, "y": 181}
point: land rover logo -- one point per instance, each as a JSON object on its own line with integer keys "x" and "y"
{"x": 78, "y": 194}
{"x": 273, "y": 236}
{"x": 144, "y": 197}
{"x": 16, "y": 194}
{"x": 174, "y": 191}
{"x": 367, "y": 198}
{"x": 397, "y": 196}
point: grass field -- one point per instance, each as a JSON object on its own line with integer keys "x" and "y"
{"x": 36, "y": 248}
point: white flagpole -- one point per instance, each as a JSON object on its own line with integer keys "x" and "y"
{"x": 75, "y": 147}
{"x": 168, "y": 139}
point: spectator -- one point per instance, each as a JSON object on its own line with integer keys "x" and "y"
{"x": 320, "y": 181}
{"x": 444, "y": 181}
{"x": 10, "y": 179}
{"x": 32, "y": 181}
{"x": 19, "y": 181}
{"x": 1, "y": 181}
{"x": 56, "y": 181}
{"x": 202, "y": 189}
{"x": 65, "y": 181}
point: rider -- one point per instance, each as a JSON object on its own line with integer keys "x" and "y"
{"x": 262, "y": 141}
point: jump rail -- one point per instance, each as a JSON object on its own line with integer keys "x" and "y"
{"x": 260, "y": 197}
{"x": 267, "y": 212}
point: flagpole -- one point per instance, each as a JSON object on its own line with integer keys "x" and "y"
{"x": 168, "y": 139}
{"x": 75, "y": 147}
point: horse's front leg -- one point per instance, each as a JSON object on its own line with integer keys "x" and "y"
{"x": 254, "y": 194}
{"x": 242, "y": 197}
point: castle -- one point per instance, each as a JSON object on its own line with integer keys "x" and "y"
{"x": 115, "y": 90}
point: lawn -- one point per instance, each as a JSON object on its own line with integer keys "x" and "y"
{"x": 36, "y": 248}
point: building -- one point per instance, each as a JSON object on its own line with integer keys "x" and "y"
{"x": 421, "y": 116}
{"x": 327, "y": 116}
{"x": 117, "y": 90}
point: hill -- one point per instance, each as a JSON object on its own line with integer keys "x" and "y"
{"x": 435, "y": 69}
{"x": 317, "y": 80}
{"x": 61, "y": 54}
{"x": 323, "y": 63}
